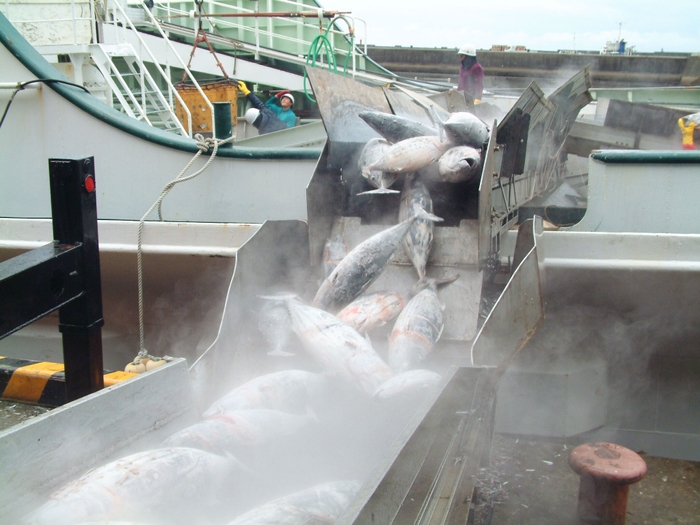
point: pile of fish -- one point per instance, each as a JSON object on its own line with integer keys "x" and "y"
{"x": 450, "y": 153}
{"x": 293, "y": 446}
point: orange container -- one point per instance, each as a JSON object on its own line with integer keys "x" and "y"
{"x": 217, "y": 91}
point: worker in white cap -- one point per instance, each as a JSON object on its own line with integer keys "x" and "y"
{"x": 471, "y": 74}
{"x": 282, "y": 104}
{"x": 263, "y": 118}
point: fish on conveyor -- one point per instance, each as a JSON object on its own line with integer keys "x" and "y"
{"x": 372, "y": 151}
{"x": 459, "y": 164}
{"x": 408, "y": 386}
{"x": 411, "y": 155}
{"x": 338, "y": 348}
{"x": 333, "y": 252}
{"x": 286, "y": 390}
{"x": 395, "y": 128}
{"x": 164, "y": 485}
{"x": 274, "y": 323}
{"x": 419, "y": 239}
{"x": 466, "y": 129}
{"x": 373, "y": 310}
{"x": 225, "y": 433}
{"x": 363, "y": 265}
{"x": 417, "y": 328}
{"x": 318, "y": 505}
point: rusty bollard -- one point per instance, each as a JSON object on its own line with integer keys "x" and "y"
{"x": 606, "y": 471}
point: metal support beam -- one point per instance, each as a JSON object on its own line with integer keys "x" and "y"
{"x": 63, "y": 275}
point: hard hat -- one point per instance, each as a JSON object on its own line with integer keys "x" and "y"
{"x": 467, "y": 49}
{"x": 289, "y": 96}
{"x": 251, "y": 115}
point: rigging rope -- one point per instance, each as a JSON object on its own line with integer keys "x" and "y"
{"x": 203, "y": 145}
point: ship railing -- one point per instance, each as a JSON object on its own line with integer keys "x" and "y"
{"x": 120, "y": 18}
{"x": 222, "y": 15}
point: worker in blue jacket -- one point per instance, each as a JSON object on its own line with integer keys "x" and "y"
{"x": 282, "y": 104}
{"x": 262, "y": 117}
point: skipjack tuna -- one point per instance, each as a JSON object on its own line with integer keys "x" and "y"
{"x": 419, "y": 239}
{"x": 411, "y": 385}
{"x": 372, "y": 151}
{"x": 224, "y": 433}
{"x": 411, "y": 155}
{"x": 322, "y": 504}
{"x": 338, "y": 347}
{"x": 165, "y": 485}
{"x": 459, "y": 164}
{"x": 466, "y": 129}
{"x": 373, "y": 310}
{"x": 286, "y": 390}
{"x": 394, "y": 128}
{"x": 363, "y": 265}
{"x": 417, "y": 328}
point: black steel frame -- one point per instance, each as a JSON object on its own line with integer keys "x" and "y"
{"x": 63, "y": 275}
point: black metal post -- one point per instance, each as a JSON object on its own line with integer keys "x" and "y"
{"x": 74, "y": 209}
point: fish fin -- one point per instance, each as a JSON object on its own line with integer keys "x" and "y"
{"x": 280, "y": 353}
{"x": 420, "y": 213}
{"x": 379, "y": 190}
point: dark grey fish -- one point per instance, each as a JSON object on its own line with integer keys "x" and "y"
{"x": 362, "y": 266}
{"x": 394, "y": 128}
{"x": 322, "y": 504}
{"x": 459, "y": 164}
{"x": 466, "y": 129}
{"x": 372, "y": 151}
{"x": 419, "y": 239}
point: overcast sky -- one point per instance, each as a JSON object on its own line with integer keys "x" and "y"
{"x": 547, "y": 25}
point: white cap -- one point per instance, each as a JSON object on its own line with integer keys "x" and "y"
{"x": 467, "y": 49}
{"x": 289, "y": 96}
{"x": 251, "y": 115}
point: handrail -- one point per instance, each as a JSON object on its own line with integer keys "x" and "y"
{"x": 40, "y": 68}
{"x": 171, "y": 88}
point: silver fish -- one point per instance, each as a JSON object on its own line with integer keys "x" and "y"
{"x": 165, "y": 485}
{"x": 333, "y": 252}
{"x": 372, "y": 151}
{"x": 371, "y": 311}
{"x": 225, "y": 433}
{"x": 286, "y": 390}
{"x": 417, "y": 329}
{"x": 362, "y": 266}
{"x": 466, "y": 129}
{"x": 459, "y": 164}
{"x": 411, "y": 155}
{"x": 274, "y": 323}
{"x": 319, "y": 505}
{"x": 394, "y": 128}
{"x": 411, "y": 385}
{"x": 693, "y": 117}
{"x": 419, "y": 239}
{"x": 338, "y": 348}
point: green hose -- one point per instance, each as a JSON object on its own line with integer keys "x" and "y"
{"x": 318, "y": 45}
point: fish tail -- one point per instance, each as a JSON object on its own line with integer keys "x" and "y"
{"x": 420, "y": 213}
{"x": 379, "y": 190}
{"x": 281, "y": 353}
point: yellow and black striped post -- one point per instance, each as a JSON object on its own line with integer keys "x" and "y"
{"x": 40, "y": 382}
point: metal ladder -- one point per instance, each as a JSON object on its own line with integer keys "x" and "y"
{"x": 134, "y": 90}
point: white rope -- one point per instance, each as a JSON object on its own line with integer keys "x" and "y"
{"x": 203, "y": 145}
